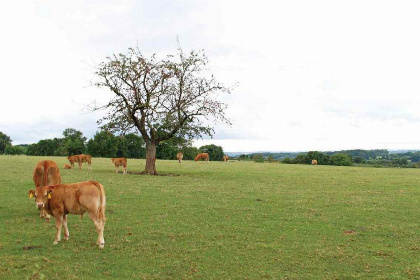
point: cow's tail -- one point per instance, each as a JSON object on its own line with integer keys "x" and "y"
{"x": 101, "y": 210}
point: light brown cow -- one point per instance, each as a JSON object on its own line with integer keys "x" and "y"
{"x": 77, "y": 198}
{"x": 314, "y": 162}
{"x": 225, "y": 158}
{"x": 85, "y": 158}
{"x": 120, "y": 162}
{"x": 80, "y": 159}
{"x": 72, "y": 159}
{"x": 179, "y": 157}
{"x": 200, "y": 156}
{"x": 66, "y": 166}
{"x": 46, "y": 173}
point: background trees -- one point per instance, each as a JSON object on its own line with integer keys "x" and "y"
{"x": 103, "y": 144}
{"x": 341, "y": 159}
{"x": 215, "y": 152}
{"x": 13, "y": 150}
{"x": 74, "y": 141}
{"x": 4, "y": 142}
{"x": 322, "y": 159}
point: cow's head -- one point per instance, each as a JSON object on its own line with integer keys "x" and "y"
{"x": 41, "y": 195}
{"x": 112, "y": 159}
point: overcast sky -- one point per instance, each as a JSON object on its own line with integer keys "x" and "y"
{"x": 312, "y": 75}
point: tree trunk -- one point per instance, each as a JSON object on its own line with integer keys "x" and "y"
{"x": 150, "y": 158}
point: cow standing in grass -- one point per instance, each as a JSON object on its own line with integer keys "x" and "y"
{"x": 314, "y": 162}
{"x": 46, "y": 173}
{"x": 225, "y": 158}
{"x": 120, "y": 162}
{"x": 85, "y": 158}
{"x": 80, "y": 159}
{"x": 72, "y": 159}
{"x": 179, "y": 157}
{"x": 201, "y": 156}
{"x": 77, "y": 198}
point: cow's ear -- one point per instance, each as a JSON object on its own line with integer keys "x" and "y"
{"x": 31, "y": 193}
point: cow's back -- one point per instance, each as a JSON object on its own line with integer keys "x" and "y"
{"x": 46, "y": 173}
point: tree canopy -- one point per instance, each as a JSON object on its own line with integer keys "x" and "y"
{"x": 161, "y": 98}
{"x": 4, "y": 142}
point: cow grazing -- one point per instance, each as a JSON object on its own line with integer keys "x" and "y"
{"x": 179, "y": 157}
{"x": 120, "y": 162}
{"x": 78, "y": 198}
{"x": 225, "y": 158}
{"x": 201, "y": 156}
{"x": 46, "y": 173}
{"x": 66, "y": 166}
{"x": 314, "y": 162}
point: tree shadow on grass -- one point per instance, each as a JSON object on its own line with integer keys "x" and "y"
{"x": 158, "y": 174}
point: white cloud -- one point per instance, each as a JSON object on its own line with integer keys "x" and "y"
{"x": 312, "y": 75}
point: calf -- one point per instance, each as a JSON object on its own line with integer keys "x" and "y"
{"x": 314, "y": 162}
{"x": 66, "y": 166}
{"x": 77, "y": 198}
{"x": 120, "y": 162}
{"x": 225, "y": 158}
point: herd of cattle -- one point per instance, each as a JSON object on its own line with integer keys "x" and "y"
{"x": 55, "y": 199}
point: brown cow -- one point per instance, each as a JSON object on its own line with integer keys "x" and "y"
{"x": 120, "y": 162}
{"x": 77, "y": 198}
{"x": 66, "y": 166}
{"x": 200, "y": 156}
{"x": 85, "y": 158}
{"x": 73, "y": 159}
{"x": 225, "y": 158}
{"x": 314, "y": 162}
{"x": 179, "y": 157}
{"x": 80, "y": 159}
{"x": 46, "y": 173}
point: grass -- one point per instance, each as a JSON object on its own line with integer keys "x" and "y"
{"x": 218, "y": 220}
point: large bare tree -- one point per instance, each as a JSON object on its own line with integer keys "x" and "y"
{"x": 173, "y": 96}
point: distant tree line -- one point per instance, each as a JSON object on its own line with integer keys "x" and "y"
{"x": 106, "y": 144}
{"x": 377, "y": 158}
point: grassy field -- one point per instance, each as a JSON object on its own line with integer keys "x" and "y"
{"x": 235, "y": 220}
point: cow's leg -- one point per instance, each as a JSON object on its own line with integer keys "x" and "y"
{"x": 80, "y": 165}
{"x": 46, "y": 216}
{"x": 66, "y": 230}
{"x": 99, "y": 225}
{"x": 117, "y": 169}
{"x": 125, "y": 169}
{"x": 58, "y": 225}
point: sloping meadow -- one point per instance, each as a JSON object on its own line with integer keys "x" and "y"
{"x": 219, "y": 220}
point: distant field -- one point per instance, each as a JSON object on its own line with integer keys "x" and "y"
{"x": 218, "y": 220}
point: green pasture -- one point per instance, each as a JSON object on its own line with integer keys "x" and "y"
{"x": 235, "y": 220}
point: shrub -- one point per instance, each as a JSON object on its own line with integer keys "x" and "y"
{"x": 341, "y": 159}
{"x": 258, "y": 158}
{"x": 13, "y": 150}
{"x": 359, "y": 159}
{"x": 287, "y": 160}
